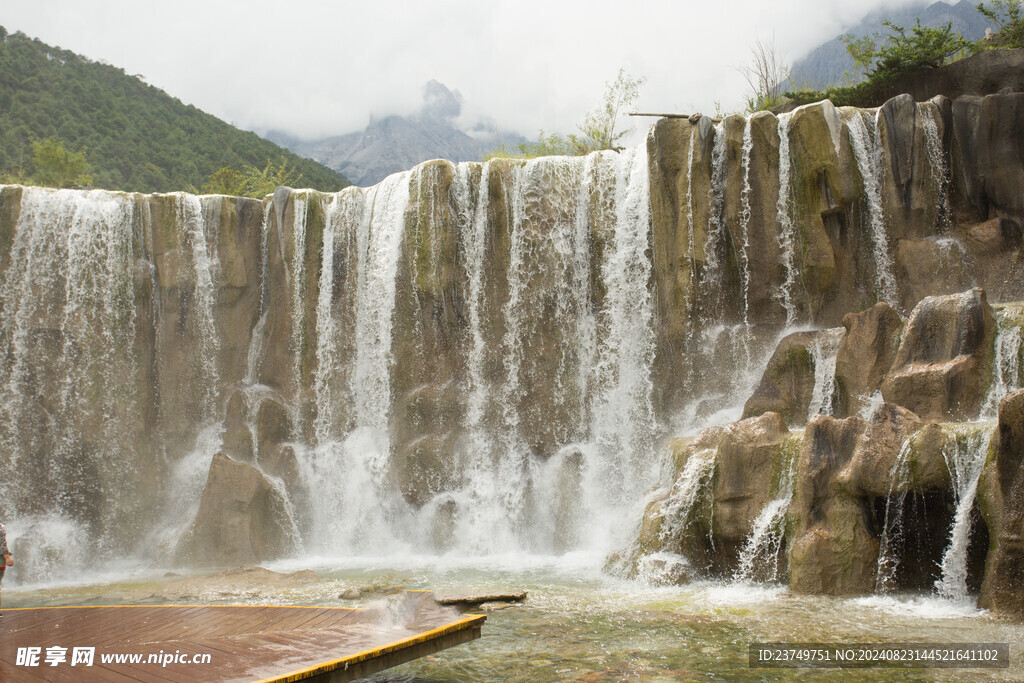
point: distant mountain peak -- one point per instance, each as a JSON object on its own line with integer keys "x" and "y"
{"x": 439, "y": 102}
{"x": 392, "y": 143}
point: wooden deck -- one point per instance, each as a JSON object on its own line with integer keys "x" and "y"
{"x": 243, "y": 642}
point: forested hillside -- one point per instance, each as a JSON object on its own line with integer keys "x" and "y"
{"x": 136, "y": 136}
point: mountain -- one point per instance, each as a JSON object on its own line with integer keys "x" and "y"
{"x": 136, "y": 136}
{"x": 395, "y": 143}
{"x": 830, "y": 63}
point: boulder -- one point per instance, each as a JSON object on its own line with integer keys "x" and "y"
{"x": 272, "y": 422}
{"x": 900, "y": 114}
{"x": 833, "y": 551}
{"x": 1001, "y": 496}
{"x": 994, "y": 237}
{"x": 940, "y": 368}
{"x": 865, "y": 355}
{"x": 242, "y": 519}
{"x": 747, "y": 465}
{"x": 724, "y": 479}
{"x": 869, "y": 472}
{"x": 787, "y": 384}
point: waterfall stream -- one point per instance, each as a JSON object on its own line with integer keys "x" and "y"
{"x": 965, "y": 457}
{"x": 866, "y": 151}
{"x": 787, "y": 231}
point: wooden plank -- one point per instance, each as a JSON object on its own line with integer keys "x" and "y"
{"x": 276, "y": 643}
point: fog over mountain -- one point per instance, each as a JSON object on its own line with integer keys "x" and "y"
{"x": 392, "y": 143}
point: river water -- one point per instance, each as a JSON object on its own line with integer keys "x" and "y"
{"x": 581, "y": 625}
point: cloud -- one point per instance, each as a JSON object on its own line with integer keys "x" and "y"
{"x": 323, "y": 68}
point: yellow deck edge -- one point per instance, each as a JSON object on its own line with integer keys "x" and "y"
{"x": 325, "y": 667}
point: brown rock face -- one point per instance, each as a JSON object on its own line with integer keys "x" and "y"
{"x": 833, "y": 552}
{"x": 787, "y": 385}
{"x": 940, "y": 368}
{"x": 1001, "y": 494}
{"x": 989, "y": 153}
{"x": 242, "y": 519}
{"x": 869, "y": 472}
{"x": 865, "y": 356}
{"x": 929, "y": 267}
{"x": 746, "y": 465}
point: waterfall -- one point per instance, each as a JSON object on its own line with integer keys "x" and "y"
{"x": 787, "y": 231}
{"x": 691, "y": 486}
{"x": 965, "y": 457}
{"x": 867, "y": 153}
{"x": 824, "y": 350}
{"x": 355, "y": 506}
{"x": 715, "y": 232}
{"x": 1006, "y": 365}
{"x": 68, "y": 396}
{"x": 622, "y": 415}
{"x": 691, "y": 233}
{"x": 200, "y": 234}
{"x": 745, "y": 213}
{"x": 296, "y": 274}
{"x": 891, "y": 541}
{"x": 764, "y": 543}
{"x": 937, "y": 163}
{"x": 343, "y": 211}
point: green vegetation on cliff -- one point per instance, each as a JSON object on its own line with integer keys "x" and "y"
{"x": 884, "y": 58}
{"x": 134, "y": 136}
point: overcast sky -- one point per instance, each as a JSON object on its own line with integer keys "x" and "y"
{"x": 322, "y": 68}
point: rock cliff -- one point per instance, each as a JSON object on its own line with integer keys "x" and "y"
{"x": 474, "y": 357}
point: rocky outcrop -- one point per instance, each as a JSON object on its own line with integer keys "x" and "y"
{"x": 787, "y": 384}
{"x": 724, "y": 478}
{"x": 986, "y": 73}
{"x": 833, "y": 551}
{"x": 242, "y": 519}
{"x": 1001, "y": 494}
{"x": 865, "y": 355}
{"x": 940, "y": 370}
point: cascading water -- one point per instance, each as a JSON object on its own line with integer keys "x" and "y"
{"x": 715, "y": 231}
{"x": 506, "y": 494}
{"x": 690, "y": 488}
{"x": 67, "y": 321}
{"x": 745, "y": 214}
{"x": 965, "y": 457}
{"x": 197, "y": 233}
{"x": 347, "y": 474}
{"x": 824, "y": 350}
{"x": 866, "y": 151}
{"x": 1009, "y": 353}
{"x": 891, "y": 542}
{"x": 937, "y": 162}
{"x": 759, "y": 557}
{"x": 787, "y": 231}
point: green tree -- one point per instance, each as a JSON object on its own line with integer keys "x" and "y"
{"x": 598, "y": 127}
{"x": 920, "y": 47}
{"x": 225, "y": 180}
{"x": 1008, "y": 16}
{"x": 765, "y": 75}
{"x": 597, "y": 131}
{"x": 250, "y": 181}
{"x": 56, "y": 166}
{"x": 863, "y": 50}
